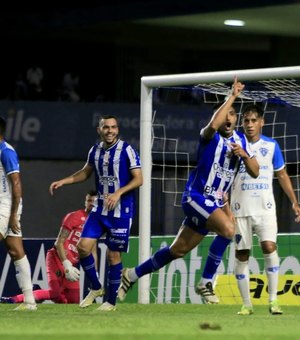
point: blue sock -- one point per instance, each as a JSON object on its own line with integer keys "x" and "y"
{"x": 88, "y": 265}
{"x": 114, "y": 280}
{"x": 155, "y": 262}
{"x": 215, "y": 254}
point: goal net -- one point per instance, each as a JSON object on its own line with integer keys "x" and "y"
{"x": 173, "y": 110}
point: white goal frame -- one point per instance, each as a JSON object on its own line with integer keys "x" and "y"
{"x": 147, "y": 85}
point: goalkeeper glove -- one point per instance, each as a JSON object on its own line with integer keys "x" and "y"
{"x": 71, "y": 272}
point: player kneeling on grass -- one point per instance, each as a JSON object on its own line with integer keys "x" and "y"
{"x": 62, "y": 260}
{"x": 220, "y": 152}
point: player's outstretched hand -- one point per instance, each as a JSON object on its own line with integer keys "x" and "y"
{"x": 296, "y": 209}
{"x": 71, "y": 272}
{"x": 237, "y": 87}
{"x": 55, "y": 185}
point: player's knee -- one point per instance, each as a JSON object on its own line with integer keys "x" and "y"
{"x": 15, "y": 254}
{"x": 113, "y": 257}
{"x": 228, "y": 230}
{"x": 82, "y": 250}
{"x": 242, "y": 255}
{"x": 178, "y": 252}
{"x": 268, "y": 247}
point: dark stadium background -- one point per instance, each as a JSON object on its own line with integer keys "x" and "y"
{"x": 110, "y": 45}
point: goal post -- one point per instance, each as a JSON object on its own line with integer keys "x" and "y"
{"x": 148, "y": 83}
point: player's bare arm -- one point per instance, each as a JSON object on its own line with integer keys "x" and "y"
{"x": 219, "y": 116}
{"x": 16, "y": 186}
{"x": 79, "y": 176}
{"x": 251, "y": 164}
{"x": 286, "y": 184}
{"x": 59, "y": 243}
{"x": 137, "y": 180}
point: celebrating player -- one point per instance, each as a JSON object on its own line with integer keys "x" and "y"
{"x": 10, "y": 214}
{"x": 220, "y": 152}
{"x": 62, "y": 259}
{"x": 253, "y": 205}
{"x": 117, "y": 173}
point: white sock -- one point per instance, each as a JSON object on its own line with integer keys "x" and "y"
{"x": 23, "y": 276}
{"x": 204, "y": 281}
{"x": 132, "y": 275}
{"x": 242, "y": 275}
{"x": 272, "y": 268}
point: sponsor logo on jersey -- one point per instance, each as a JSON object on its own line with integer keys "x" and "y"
{"x": 255, "y": 186}
{"x": 107, "y": 180}
{"x": 213, "y": 192}
{"x": 221, "y": 172}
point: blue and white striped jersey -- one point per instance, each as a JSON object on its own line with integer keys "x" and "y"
{"x": 112, "y": 171}
{"x": 9, "y": 163}
{"x": 254, "y": 196}
{"x": 216, "y": 165}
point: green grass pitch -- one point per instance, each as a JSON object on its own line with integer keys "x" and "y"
{"x": 154, "y": 321}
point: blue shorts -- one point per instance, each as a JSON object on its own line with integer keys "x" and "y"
{"x": 197, "y": 209}
{"x": 117, "y": 230}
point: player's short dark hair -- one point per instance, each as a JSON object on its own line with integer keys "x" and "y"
{"x": 92, "y": 192}
{"x": 218, "y": 105}
{"x": 109, "y": 117}
{"x": 255, "y": 109}
{"x": 2, "y": 125}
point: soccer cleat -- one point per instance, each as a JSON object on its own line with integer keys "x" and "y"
{"x": 26, "y": 306}
{"x": 245, "y": 310}
{"x": 125, "y": 284}
{"x": 92, "y": 295}
{"x": 107, "y": 307}
{"x": 207, "y": 293}
{"x": 4, "y": 299}
{"x": 274, "y": 308}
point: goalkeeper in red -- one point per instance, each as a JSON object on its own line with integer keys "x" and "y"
{"x": 62, "y": 260}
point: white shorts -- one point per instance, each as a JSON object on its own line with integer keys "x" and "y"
{"x": 265, "y": 227}
{"x": 4, "y": 230}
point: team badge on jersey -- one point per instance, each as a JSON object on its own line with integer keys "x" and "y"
{"x": 263, "y": 151}
{"x": 269, "y": 205}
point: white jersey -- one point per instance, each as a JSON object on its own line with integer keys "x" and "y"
{"x": 254, "y": 196}
{"x": 9, "y": 163}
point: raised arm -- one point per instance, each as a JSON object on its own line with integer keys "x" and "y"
{"x": 220, "y": 115}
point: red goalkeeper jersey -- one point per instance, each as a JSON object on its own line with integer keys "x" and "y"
{"x": 73, "y": 222}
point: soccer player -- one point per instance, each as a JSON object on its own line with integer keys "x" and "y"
{"x": 10, "y": 214}
{"x": 117, "y": 173}
{"x": 220, "y": 152}
{"x": 253, "y": 205}
{"x": 62, "y": 259}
